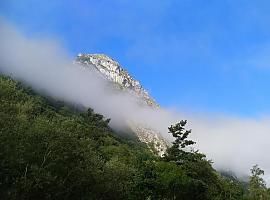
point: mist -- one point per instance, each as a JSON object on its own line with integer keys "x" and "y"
{"x": 233, "y": 143}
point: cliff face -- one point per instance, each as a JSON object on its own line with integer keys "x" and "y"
{"x": 113, "y": 72}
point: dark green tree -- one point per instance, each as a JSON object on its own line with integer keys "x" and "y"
{"x": 257, "y": 185}
{"x": 179, "y": 152}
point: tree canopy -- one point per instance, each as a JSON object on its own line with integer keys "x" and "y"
{"x": 52, "y": 150}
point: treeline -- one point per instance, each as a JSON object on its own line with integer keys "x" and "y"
{"x": 49, "y": 150}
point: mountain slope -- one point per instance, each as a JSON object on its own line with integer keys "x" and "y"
{"x": 50, "y": 150}
{"x": 112, "y": 71}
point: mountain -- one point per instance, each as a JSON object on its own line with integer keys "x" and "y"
{"x": 112, "y": 71}
{"x": 117, "y": 74}
{"x": 52, "y": 150}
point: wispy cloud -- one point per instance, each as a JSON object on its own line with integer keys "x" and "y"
{"x": 233, "y": 143}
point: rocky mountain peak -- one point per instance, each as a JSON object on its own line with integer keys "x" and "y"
{"x": 112, "y": 71}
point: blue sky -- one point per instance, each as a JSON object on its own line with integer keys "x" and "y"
{"x": 198, "y": 55}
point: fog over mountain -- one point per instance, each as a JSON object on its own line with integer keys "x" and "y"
{"x": 233, "y": 143}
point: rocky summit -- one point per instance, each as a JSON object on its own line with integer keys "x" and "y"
{"x": 112, "y": 71}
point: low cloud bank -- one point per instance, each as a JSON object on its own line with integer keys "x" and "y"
{"x": 232, "y": 143}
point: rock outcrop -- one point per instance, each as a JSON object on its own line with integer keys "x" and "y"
{"x": 112, "y": 71}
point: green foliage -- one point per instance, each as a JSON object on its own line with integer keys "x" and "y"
{"x": 50, "y": 150}
{"x": 257, "y": 186}
{"x": 178, "y": 151}
{"x": 205, "y": 182}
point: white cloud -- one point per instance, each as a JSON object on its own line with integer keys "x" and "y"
{"x": 231, "y": 142}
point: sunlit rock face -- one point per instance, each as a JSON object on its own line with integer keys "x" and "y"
{"x": 112, "y": 71}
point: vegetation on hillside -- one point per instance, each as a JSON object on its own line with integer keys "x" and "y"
{"x": 49, "y": 150}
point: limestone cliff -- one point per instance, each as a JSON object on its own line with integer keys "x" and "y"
{"x": 113, "y": 72}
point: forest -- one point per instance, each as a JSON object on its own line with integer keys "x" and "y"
{"x": 50, "y": 149}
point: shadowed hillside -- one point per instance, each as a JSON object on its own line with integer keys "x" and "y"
{"x": 51, "y": 150}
